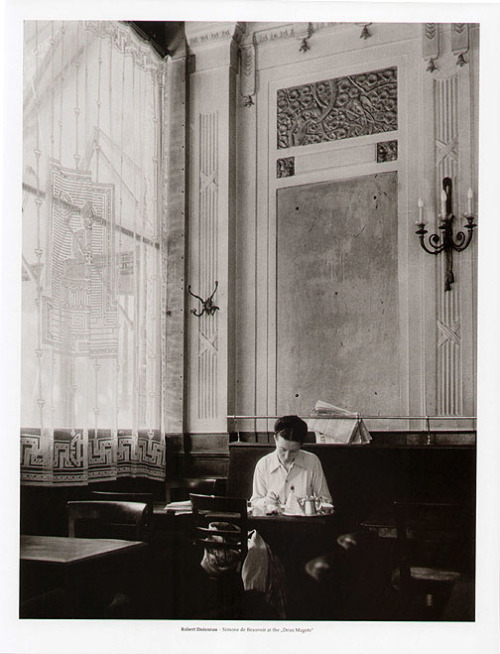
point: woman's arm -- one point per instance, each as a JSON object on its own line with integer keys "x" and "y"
{"x": 319, "y": 485}
{"x": 259, "y": 490}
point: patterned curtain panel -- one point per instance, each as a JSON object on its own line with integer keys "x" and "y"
{"x": 93, "y": 260}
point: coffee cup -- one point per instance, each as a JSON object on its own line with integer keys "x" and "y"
{"x": 310, "y": 507}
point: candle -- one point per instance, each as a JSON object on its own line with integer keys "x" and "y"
{"x": 469, "y": 201}
{"x": 443, "y": 204}
{"x": 420, "y": 211}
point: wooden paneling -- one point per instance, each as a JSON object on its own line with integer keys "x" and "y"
{"x": 337, "y": 292}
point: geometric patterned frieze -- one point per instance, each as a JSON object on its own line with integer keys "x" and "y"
{"x": 79, "y": 456}
{"x": 339, "y": 108}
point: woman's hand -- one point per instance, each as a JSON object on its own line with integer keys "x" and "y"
{"x": 272, "y": 503}
{"x": 273, "y": 497}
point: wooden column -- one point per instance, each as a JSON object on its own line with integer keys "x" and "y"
{"x": 174, "y": 235}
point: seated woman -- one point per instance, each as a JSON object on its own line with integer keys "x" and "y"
{"x": 289, "y": 468}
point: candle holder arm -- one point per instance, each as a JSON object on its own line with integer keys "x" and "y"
{"x": 434, "y": 241}
{"x": 462, "y": 239}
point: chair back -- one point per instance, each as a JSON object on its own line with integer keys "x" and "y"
{"x": 113, "y": 496}
{"x": 435, "y": 541}
{"x": 180, "y": 489}
{"x": 220, "y": 523}
{"x": 102, "y": 519}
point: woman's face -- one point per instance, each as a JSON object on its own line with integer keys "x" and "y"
{"x": 287, "y": 450}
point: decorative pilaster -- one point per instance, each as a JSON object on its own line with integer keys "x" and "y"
{"x": 208, "y": 328}
{"x": 214, "y": 50}
{"x": 449, "y": 381}
{"x": 449, "y": 345}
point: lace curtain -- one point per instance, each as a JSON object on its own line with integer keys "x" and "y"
{"x": 93, "y": 260}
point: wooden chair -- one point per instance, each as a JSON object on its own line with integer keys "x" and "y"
{"x": 112, "y": 496}
{"x": 114, "y": 592}
{"x": 434, "y": 549}
{"x": 180, "y": 489}
{"x": 103, "y": 519}
{"x": 220, "y": 534}
{"x": 211, "y": 510}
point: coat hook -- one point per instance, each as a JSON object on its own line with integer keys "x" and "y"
{"x": 208, "y": 306}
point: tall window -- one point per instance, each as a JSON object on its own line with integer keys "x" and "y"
{"x": 92, "y": 255}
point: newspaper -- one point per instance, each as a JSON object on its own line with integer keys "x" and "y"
{"x": 344, "y": 427}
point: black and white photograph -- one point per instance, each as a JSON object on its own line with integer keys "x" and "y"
{"x": 253, "y": 384}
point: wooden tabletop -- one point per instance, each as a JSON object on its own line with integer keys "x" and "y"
{"x": 63, "y": 550}
{"x": 178, "y": 509}
{"x": 185, "y": 508}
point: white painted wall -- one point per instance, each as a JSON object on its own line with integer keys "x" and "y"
{"x": 436, "y": 329}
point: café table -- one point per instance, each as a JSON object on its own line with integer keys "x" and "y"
{"x": 294, "y": 539}
{"x": 380, "y": 523}
{"x": 64, "y": 551}
{"x": 277, "y": 527}
{"x": 71, "y": 565}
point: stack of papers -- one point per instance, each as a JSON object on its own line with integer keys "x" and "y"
{"x": 179, "y": 507}
{"x": 343, "y": 428}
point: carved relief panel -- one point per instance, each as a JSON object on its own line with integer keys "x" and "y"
{"x": 340, "y": 108}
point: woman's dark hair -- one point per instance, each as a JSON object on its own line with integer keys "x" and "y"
{"x": 291, "y": 428}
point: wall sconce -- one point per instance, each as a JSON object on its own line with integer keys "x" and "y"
{"x": 446, "y": 241}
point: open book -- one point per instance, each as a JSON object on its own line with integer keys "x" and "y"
{"x": 344, "y": 427}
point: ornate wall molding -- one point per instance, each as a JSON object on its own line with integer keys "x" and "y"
{"x": 264, "y": 37}
{"x": 285, "y": 167}
{"x": 127, "y": 42}
{"x": 247, "y": 74}
{"x": 340, "y": 108}
{"x": 460, "y": 41}
{"x": 430, "y": 44}
{"x": 387, "y": 151}
{"x": 449, "y": 371}
{"x": 199, "y": 34}
{"x": 295, "y": 31}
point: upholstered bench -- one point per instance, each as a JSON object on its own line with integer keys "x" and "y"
{"x": 365, "y": 478}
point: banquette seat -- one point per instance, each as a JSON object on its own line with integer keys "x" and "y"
{"x": 365, "y": 478}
